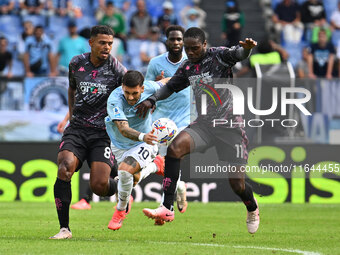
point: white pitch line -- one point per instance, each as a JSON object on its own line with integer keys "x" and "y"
{"x": 242, "y": 247}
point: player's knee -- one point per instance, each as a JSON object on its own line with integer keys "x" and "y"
{"x": 65, "y": 170}
{"x": 99, "y": 187}
{"x": 237, "y": 185}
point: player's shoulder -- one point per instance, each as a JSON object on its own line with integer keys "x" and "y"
{"x": 78, "y": 59}
{"x": 116, "y": 94}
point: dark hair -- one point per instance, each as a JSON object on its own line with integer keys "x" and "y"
{"x": 3, "y": 38}
{"x": 174, "y": 28}
{"x": 101, "y": 29}
{"x": 195, "y": 32}
{"x": 38, "y": 27}
{"x": 133, "y": 78}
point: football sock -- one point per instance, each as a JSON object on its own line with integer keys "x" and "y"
{"x": 171, "y": 175}
{"x": 113, "y": 185}
{"x": 248, "y": 198}
{"x": 125, "y": 186}
{"x": 89, "y": 195}
{"x": 179, "y": 179}
{"x": 146, "y": 171}
{"x": 62, "y": 197}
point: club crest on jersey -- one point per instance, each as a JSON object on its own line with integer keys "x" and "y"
{"x": 94, "y": 74}
{"x": 81, "y": 69}
{"x": 94, "y": 90}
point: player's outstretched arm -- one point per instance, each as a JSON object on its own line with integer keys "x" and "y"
{"x": 150, "y": 103}
{"x": 126, "y": 131}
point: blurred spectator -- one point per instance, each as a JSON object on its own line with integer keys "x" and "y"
{"x": 28, "y": 31}
{"x": 287, "y": 21}
{"x": 38, "y": 57}
{"x": 6, "y": 7}
{"x": 31, "y": 7}
{"x": 313, "y": 14}
{"x": 114, "y": 19}
{"x": 232, "y": 23}
{"x": 117, "y": 49}
{"x": 152, "y": 48}
{"x": 321, "y": 57}
{"x": 338, "y": 57}
{"x": 70, "y": 46}
{"x": 60, "y": 7}
{"x": 168, "y": 18}
{"x": 141, "y": 22}
{"x": 193, "y": 15}
{"x": 5, "y": 57}
{"x": 268, "y": 53}
{"x": 302, "y": 66}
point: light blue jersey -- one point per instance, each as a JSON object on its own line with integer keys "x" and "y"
{"x": 119, "y": 109}
{"x": 177, "y": 106}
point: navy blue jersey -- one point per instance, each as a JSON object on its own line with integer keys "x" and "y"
{"x": 214, "y": 68}
{"x": 93, "y": 86}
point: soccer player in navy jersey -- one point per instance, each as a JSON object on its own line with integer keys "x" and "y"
{"x": 92, "y": 77}
{"x": 202, "y": 67}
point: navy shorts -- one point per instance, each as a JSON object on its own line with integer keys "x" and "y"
{"x": 88, "y": 144}
{"x": 231, "y": 143}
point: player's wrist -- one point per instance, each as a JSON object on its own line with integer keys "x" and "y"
{"x": 152, "y": 100}
{"x": 141, "y": 137}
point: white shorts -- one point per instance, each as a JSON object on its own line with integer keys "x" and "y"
{"x": 143, "y": 153}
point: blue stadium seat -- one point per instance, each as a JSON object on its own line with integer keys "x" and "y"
{"x": 57, "y": 27}
{"x": 36, "y": 19}
{"x": 10, "y": 23}
{"x": 133, "y": 53}
{"x": 295, "y": 52}
{"x": 330, "y": 6}
{"x": 85, "y": 21}
{"x": 154, "y": 7}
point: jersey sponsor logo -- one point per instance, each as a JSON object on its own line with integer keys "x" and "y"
{"x": 91, "y": 87}
{"x": 94, "y": 74}
{"x": 81, "y": 69}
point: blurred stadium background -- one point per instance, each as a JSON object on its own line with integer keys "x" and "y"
{"x": 33, "y": 98}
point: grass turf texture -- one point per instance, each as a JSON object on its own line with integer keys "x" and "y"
{"x": 220, "y": 227}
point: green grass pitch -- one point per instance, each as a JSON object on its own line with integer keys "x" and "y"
{"x": 213, "y": 228}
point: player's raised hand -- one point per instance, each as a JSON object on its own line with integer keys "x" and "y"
{"x": 248, "y": 43}
{"x": 150, "y": 138}
{"x": 160, "y": 77}
{"x": 143, "y": 107}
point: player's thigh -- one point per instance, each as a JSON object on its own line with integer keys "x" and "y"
{"x": 192, "y": 138}
{"x": 99, "y": 174}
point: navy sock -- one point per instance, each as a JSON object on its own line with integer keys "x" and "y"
{"x": 248, "y": 198}
{"x": 171, "y": 175}
{"x": 62, "y": 197}
{"x": 113, "y": 184}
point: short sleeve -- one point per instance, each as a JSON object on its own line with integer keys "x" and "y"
{"x": 151, "y": 72}
{"x": 114, "y": 106}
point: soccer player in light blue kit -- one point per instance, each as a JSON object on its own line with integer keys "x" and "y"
{"x": 178, "y": 107}
{"x": 133, "y": 142}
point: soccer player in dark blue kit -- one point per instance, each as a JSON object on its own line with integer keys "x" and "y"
{"x": 92, "y": 78}
{"x": 204, "y": 65}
